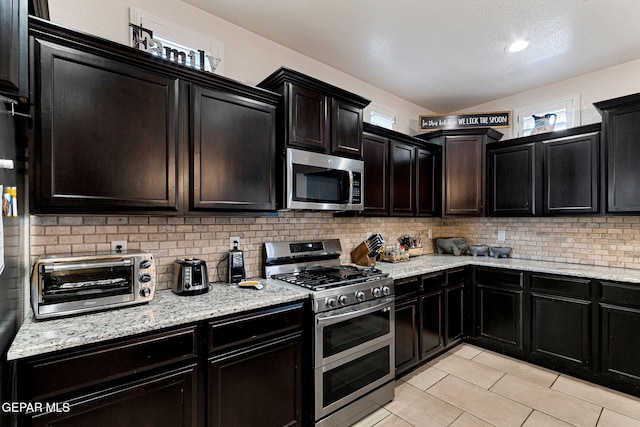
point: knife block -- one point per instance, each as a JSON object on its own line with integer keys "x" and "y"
{"x": 360, "y": 255}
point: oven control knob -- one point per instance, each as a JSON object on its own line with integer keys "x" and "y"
{"x": 386, "y": 291}
{"x": 330, "y": 302}
{"x": 342, "y": 299}
{"x": 360, "y": 296}
{"x": 376, "y": 292}
{"x": 145, "y": 263}
{"x": 145, "y": 278}
{"x": 145, "y": 292}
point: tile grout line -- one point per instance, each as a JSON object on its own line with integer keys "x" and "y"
{"x": 599, "y": 416}
{"x": 528, "y": 416}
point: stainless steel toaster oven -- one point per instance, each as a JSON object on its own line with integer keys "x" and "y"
{"x": 65, "y": 285}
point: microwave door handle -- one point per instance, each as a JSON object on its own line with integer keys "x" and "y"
{"x": 334, "y": 318}
{"x": 85, "y": 265}
{"x": 350, "y": 187}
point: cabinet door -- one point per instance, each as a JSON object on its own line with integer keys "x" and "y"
{"x": 566, "y": 301}
{"x": 105, "y": 137}
{"x": 620, "y": 340}
{"x": 257, "y": 387}
{"x": 376, "y": 176}
{"x": 402, "y": 175}
{"x": 511, "y": 178}
{"x": 499, "y": 308}
{"x": 168, "y": 399}
{"x": 454, "y": 312}
{"x": 428, "y": 182}
{"x": 13, "y": 47}
{"x": 431, "y": 336}
{"x": 464, "y": 157}
{"x": 407, "y": 318}
{"x": 571, "y": 174}
{"x": 309, "y": 119}
{"x": 568, "y": 345}
{"x": 232, "y": 153}
{"x": 622, "y": 140}
{"x": 346, "y": 129}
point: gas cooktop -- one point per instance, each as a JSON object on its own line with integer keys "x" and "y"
{"x": 319, "y": 278}
{"x": 316, "y": 266}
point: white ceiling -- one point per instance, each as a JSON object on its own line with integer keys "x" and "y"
{"x": 447, "y": 55}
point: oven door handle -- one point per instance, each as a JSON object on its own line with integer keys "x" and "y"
{"x": 48, "y": 268}
{"x": 387, "y": 305}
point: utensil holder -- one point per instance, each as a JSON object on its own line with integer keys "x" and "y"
{"x": 360, "y": 255}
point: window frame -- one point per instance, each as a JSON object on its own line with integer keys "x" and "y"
{"x": 385, "y": 113}
{"x": 570, "y": 104}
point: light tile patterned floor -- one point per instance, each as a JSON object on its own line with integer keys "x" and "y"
{"x": 469, "y": 387}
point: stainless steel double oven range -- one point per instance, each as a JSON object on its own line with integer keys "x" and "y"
{"x": 352, "y": 342}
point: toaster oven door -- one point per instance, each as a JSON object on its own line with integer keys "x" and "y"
{"x": 78, "y": 286}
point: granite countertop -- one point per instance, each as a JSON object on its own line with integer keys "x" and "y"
{"x": 169, "y": 310}
{"x": 433, "y": 263}
{"x": 165, "y": 310}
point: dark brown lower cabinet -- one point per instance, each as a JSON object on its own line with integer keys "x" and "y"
{"x": 164, "y": 400}
{"x": 454, "y": 303}
{"x": 584, "y": 327}
{"x": 430, "y": 312}
{"x": 561, "y": 321}
{"x": 620, "y": 340}
{"x": 149, "y": 380}
{"x": 260, "y": 386}
{"x": 407, "y": 340}
{"x": 499, "y": 314}
{"x": 432, "y": 339}
{"x": 244, "y": 370}
{"x": 254, "y": 372}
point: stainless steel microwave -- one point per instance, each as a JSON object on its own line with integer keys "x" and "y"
{"x": 319, "y": 181}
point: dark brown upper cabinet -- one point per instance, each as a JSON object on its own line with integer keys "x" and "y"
{"x": 317, "y": 116}
{"x": 402, "y": 174}
{"x": 231, "y": 163}
{"x": 464, "y": 168}
{"x": 621, "y": 151}
{"x": 548, "y": 174}
{"x": 511, "y": 179}
{"x": 13, "y": 48}
{"x": 402, "y": 167}
{"x": 570, "y": 174}
{"x": 105, "y": 137}
{"x": 116, "y": 131}
{"x": 428, "y": 181}
{"x": 376, "y": 174}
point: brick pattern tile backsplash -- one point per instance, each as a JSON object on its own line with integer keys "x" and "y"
{"x": 606, "y": 241}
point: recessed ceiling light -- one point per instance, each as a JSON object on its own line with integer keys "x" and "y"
{"x": 517, "y": 46}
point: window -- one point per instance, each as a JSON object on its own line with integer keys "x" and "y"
{"x": 566, "y": 111}
{"x": 382, "y": 117}
{"x": 175, "y": 36}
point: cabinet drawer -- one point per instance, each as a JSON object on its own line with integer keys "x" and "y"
{"x": 432, "y": 282}
{"x": 456, "y": 277}
{"x": 407, "y": 287}
{"x": 621, "y": 294}
{"x": 245, "y": 330}
{"x": 74, "y": 370}
{"x": 499, "y": 278}
{"x": 561, "y": 285}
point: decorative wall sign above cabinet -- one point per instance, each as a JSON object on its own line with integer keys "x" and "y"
{"x": 172, "y": 42}
{"x": 498, "y": 119}
{"x": 142, "y": 39}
